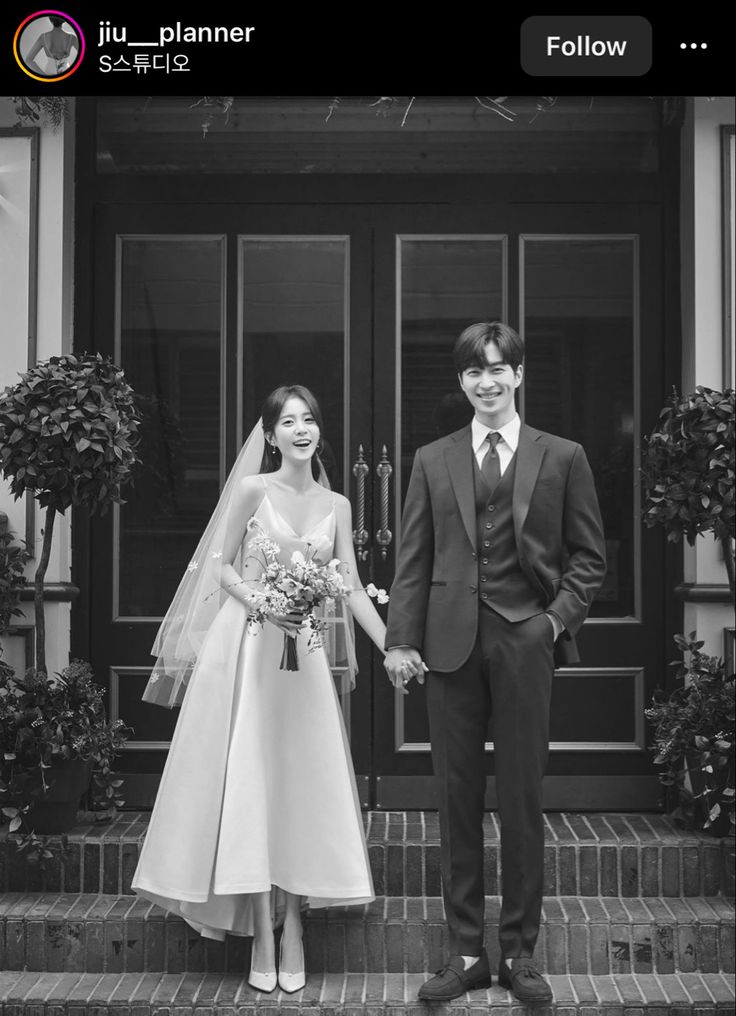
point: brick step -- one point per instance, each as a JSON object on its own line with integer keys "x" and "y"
{"x": 58, "y": 994}
{"x": 596, "y": 935}
{"x": 585, "y": 855}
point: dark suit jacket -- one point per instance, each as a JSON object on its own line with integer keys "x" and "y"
{"x": 559, "y": 537}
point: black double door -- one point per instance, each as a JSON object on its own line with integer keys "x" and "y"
{"x": 208, "y": 307}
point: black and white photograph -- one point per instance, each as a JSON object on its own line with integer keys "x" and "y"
{"x": 366, "y": 553}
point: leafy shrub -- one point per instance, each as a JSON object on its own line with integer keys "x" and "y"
{"x": 13, "y": 559}
{"x": 688, "y": 469}
{"x": 68, "y": 431}
{"x": 694, "y": 732}
{"x": 45, "y": 720}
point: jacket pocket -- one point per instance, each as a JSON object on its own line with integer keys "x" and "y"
{"x": 438, "y": 583}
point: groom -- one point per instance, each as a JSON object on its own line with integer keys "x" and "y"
{"x": 502, "y": 553}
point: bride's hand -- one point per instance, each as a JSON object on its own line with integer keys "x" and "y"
{"x": 289, "y": 623}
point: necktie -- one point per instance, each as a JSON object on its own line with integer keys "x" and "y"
{"x": 491, "y": 466}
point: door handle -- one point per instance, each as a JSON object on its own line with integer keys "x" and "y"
{"x": 360, "y": 533}
{"x": 384, "y": 535}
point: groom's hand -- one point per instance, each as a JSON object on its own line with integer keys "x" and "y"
{"x": 402, "y": 664}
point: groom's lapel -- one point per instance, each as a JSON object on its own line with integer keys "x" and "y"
{"x": 529, "y": 455}
{"x": 459, "y": 460}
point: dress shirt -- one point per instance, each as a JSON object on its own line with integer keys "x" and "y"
{"x": 505, "y": 447}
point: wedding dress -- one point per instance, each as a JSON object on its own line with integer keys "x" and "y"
{"x": 258, "y": 790}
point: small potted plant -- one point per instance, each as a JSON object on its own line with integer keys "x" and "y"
{"x": 45, "y": 721}
{"x": 68, "y": 436}
{"x": 688, "y": 474}
{"x": 694, "y": 739}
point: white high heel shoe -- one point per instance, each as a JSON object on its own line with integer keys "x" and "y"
{"x": 291, "y": 982}
{"x": 260, "y": 981}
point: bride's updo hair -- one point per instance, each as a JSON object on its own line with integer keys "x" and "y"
{"x": 270, "y": 413}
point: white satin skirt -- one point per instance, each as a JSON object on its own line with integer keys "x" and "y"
{"x": 258, "y": 792}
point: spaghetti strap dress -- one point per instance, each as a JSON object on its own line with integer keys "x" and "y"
{"x": 258, "y": 791}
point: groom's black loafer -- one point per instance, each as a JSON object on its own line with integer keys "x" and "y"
{"x": 453, "y": 980}
{"x": 524, "y": 981}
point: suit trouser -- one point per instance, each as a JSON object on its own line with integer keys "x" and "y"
{"x": 508, "y": 677}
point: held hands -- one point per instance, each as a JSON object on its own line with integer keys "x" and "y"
{"x": 402, "y": 664}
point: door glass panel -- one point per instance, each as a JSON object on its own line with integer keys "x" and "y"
{"x": 445, "y": 283}
{"x": 293, "y": 308}
{"x": 170, "y": 299}
{"x": 580, "y": 320}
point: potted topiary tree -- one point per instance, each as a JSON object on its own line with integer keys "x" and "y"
{"x": 688, "y": 470}
{"x": 688, "y": 474}
{"x": 68, "y": 436}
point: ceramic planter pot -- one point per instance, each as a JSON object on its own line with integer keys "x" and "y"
{"x": 56, "y": 810}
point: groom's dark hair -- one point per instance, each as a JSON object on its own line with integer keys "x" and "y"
{"x": 470, "y": 346}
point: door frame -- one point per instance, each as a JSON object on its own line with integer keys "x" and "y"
{"x": 451, "y": 192}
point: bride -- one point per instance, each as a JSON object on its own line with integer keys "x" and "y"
{"x": 257, "y": 813}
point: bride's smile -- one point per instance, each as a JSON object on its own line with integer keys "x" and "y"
{"x": 296, "y": 434}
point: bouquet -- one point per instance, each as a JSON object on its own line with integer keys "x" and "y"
{"x": 297, "y": 588}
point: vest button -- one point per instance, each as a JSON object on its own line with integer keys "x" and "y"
{"x": 484, "y": 595}
{"x": 486, "y": 543}
{"x": 484, "y": 578}
{"x": 491, "y": 507}
{"x": 489, "y": 525}
{"x": 485, "y": 560}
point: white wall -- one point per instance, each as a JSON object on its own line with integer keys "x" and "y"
{"x": 702, "y": 319}
{"x": 54, "y": 322}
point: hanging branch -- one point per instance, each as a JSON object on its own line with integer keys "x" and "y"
{"x": 333, "y": 107}
{"x": 215, "y": 105}
{"x": 406, "y": 111}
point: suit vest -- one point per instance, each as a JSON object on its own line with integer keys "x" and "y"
{"x": 502, "y": 585}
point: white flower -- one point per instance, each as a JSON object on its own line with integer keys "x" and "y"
{"x": 334, "y": 564}
{"x": 192, "y": 566}
{"x": 379, "y": 594}
{"x": 298, "y": 558}
{"x": 217, "y": 555}
{"x": 269, "y": 548}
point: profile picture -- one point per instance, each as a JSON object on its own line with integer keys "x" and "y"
{"x": 48, "y": 45}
